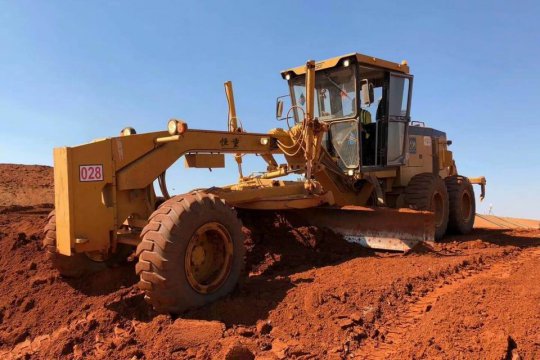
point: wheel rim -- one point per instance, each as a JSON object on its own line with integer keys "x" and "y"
{"x": 437, "y": 208}
{"x": 466, "y": 207}
{"x": 208, "y": 258}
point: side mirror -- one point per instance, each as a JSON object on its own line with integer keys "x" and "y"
{"x": 279, "y": 108}
{"x": 367, "y": 92}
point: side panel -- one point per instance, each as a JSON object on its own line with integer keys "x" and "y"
{"x": 446, "y": 160}
{"x": 419, "y": 158}
{"x": 84, "y": 180}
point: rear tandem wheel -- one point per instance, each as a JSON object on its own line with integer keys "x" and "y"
{"x": 428, "y": 192}
{"x": 462, "y": 204}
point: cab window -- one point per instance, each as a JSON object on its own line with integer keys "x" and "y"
{"x": 335, "y": 93}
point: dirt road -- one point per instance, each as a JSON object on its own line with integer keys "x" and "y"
{"x": 308, "y": 295}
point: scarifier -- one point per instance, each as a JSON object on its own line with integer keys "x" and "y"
{"x": 369, "y": 173}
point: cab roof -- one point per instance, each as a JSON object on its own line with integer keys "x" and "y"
{"x": 355, "y": 57}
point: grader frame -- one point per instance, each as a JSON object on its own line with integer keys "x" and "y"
{"x": 120, "y": 200}
{"x": 105, "y": 198}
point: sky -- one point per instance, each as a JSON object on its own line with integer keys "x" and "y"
{"x": 73, "y": 71}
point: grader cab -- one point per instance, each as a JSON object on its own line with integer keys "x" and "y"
{"x": 368, "y": 174}
{"x": 367, "y": 108}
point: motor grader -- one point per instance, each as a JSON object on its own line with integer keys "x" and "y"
{"x": 367, "y": 172}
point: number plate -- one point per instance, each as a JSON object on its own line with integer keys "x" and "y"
{"x": 90, "y": 173}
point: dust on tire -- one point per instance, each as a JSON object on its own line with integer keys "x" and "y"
{"x": 462, "y": 204}
{"x": 162, "y": 250}
{"x": 421, "y": 194}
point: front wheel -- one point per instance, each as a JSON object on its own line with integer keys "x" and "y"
{"x": 191, "y": 253}
{"x": 73, "y": 266}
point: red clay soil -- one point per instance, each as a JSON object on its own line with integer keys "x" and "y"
{"x": 26, "y": 185}
{"x": 308, "y": 295}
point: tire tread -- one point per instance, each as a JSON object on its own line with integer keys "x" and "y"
{"x": 157, "y": 248}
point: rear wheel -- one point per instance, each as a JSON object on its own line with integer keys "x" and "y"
{"x": 191, "y": 253}
{"x": 428, "y": 192}
{"x": 462, "y": 204}
{"x": 72, "y": 266}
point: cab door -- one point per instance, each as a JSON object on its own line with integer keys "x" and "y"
{"x": 398, "y": 117}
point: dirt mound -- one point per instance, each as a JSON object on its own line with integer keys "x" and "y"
{"x": 308, "y": 294}
{"x": 26, "y": 185}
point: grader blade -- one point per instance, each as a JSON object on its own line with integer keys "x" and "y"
{"x": 377, "y": 228}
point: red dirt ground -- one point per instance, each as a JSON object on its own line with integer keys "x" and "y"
{"x": 26, "y": 185}
{"x": 309, "y": 295}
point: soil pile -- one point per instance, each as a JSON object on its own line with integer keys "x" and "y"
{"x": 308, "y": 294}
{"x": 26, "y": 185}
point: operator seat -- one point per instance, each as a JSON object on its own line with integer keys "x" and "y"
{"x": 365, "y": 117}
{"x": 368, "y": 137}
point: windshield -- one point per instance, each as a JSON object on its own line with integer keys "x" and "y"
{"x": 334, "y": 93}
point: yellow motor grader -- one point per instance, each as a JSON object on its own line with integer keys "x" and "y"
{"x": 369, "y": 173}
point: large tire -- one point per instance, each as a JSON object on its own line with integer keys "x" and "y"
{"x": 73, "y": 266}
{"x": 191, "y": 253}
{"x": 462, "y": 204}
{"x": 428, "y": 192}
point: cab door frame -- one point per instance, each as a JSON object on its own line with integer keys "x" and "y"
{"x": 402, "y": 118}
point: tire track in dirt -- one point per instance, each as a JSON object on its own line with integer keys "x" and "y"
{"x": 405, "y": 322}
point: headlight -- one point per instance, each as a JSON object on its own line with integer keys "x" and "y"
{"x": 176, "y": 127}
{"x": 346, "y": 63}
{"x": 171, "y": 127}
{"x": 265, "y": 141}
{"x": 288, "y": 77}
